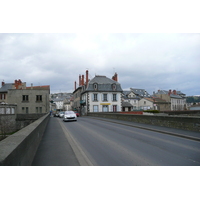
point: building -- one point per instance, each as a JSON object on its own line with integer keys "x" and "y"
{"x": 61, "y": 101}
{"x": 8, "y": 86}
{"x": 175, "y": 99}
{"x": 154, "y": 103}
{"x": 130, "y": 101}
{"x": 29, "y": 100}
{"x": 100, "y": 94}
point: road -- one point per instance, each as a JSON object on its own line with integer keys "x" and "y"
{"x": 103, "y": 143}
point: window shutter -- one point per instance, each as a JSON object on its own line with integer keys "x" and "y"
{"x": 92, "y": 97}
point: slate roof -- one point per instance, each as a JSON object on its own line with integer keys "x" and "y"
{"x": 6, "y": 87}
{"x": 104, "y": 84}
{"x": 126, "y": 104}
{"x": 171, "y": 95}
{"x": 140, "y": 92}
{"x": 126, "y": 93}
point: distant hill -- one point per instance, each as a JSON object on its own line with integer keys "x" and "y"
{"x": 193, "y": 99}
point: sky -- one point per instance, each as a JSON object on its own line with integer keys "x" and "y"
{"x": 145, "y": 45}
{"x": 149, "y": 61}
{"x": 150, "y": 44}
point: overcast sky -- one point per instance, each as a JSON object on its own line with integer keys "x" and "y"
{"x": 145, "y": 61}
{"x": 151, "y": 45}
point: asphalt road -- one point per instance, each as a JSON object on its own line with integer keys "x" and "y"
{"x": 102, "y": 143}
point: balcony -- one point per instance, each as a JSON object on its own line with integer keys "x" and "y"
{"x": 82, "y": 102}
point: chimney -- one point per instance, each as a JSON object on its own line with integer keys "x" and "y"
{"x": 3, "y": 83}
{"x": 86, "y": 78}
{"x": 174, "y": 92}
{"x": 170, "y": 92}
{"x": 82, "y": 80}
{"x": 31, "y": 86}
{"x": 115, "y": 78}
{"x": 16, "y": 84}
{"x": 75, "y": 85}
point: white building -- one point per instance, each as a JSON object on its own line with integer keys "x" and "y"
{"x": 101, "y": 94}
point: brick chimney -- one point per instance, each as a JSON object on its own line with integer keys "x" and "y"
{"x": 86, "y": 78}
{"x": 3, "y": 83}
{"x": 18, "y": 83}
{"x": 75, "y": 85}
{"x": 115, "y": 77}
{"x": 82, "y": 80}
{"x": 170, "y": 92}
{"x": 174, "y": 92}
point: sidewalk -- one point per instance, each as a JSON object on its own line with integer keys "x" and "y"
{"x": 54, "y": 149}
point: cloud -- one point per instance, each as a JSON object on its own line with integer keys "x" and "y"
{"x": 147, "y": 61}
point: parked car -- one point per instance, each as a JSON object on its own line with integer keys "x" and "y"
{"x": 56, "y": 114}
{"x": 77, "y": 114}
{"x": 61, "y": 114}
{"x": 69, "y": 116}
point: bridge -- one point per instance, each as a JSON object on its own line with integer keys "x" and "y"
{"x": 100, "y": 141}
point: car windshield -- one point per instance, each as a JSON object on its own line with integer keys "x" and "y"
{"x": 69, "y": 112}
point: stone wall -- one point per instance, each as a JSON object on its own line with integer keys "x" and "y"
{"x": 191, "y": 123}
{"x": 20, "y": 148}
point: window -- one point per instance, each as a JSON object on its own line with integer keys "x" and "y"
{"x": 96, "y": 108}
{"x": 38, "y": 97}
{"x": 2, "y": 110}
{"x": 105, "y": 108}
{"x": 114, "y": 97}
{"x": 25, "y": 110}
{"x": 144, "y": 102}
{"x": 95, "y": 97}
{"x": 95, "y": 86}
{"x": 114, "y": 108}
{"x": 114, "y": 87}
{"x": 38, "y": 109}
{"x": 2, "y": 96}
{"x": 105, "y": 97}
{"x": 24, "y": 97}
{"x": 8, "y": 111}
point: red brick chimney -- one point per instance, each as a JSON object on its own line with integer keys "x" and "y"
{"x": 86, "y": 78}
{"x": 3, "y": 83}
{"x": 18, "y": 83}
{"x": 170, "y": 92}
{"x": 174, "y": 92}
{"x": 115, "y": 77}
{"x": 82, "y": 80}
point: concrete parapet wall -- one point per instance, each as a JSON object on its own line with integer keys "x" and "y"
{"x": 181, "y": 122}
{"x": 20, "y": 148}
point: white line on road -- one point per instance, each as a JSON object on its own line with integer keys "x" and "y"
{"x": 80, "y": 155}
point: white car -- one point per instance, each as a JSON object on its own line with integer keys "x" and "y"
{"x": 61, "y": 114}
{"x": 69, "y": 116}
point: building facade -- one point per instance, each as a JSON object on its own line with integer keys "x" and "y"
{"x": 29, "y": 100}
{"x": 175, "y": 99}
{"x": 102, "y": 95}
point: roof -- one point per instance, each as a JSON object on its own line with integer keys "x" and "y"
{"x": 156, "y": 100}
{"x": 6, "y": 87}
{"x": 140, "y": 92}
{"x": 126, "y": 93}
{"x": 42, "y": 87}
{"x": 126, "y": 104}
{"x": 171, "y": 95}
{"x": 104, "y": 84}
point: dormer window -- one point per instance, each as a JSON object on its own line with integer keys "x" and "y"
{"x": 114, "y": 87}
{"x": 95, "y": 86}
